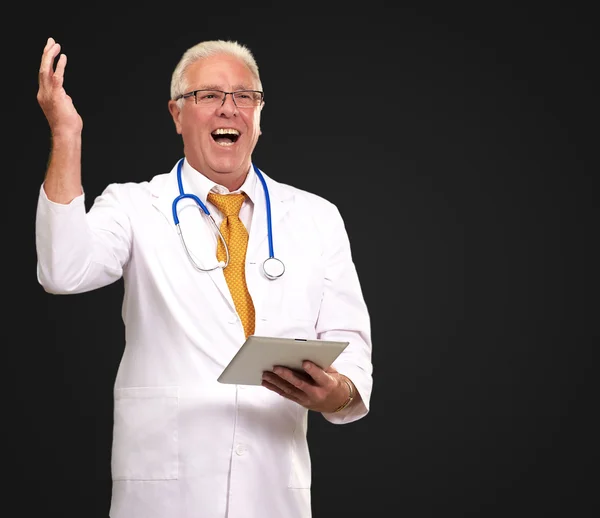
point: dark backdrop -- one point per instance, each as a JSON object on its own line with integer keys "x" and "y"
{"x": 454, "y": 141}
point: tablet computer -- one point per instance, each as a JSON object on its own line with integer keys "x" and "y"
{"x": 261, "y": 353}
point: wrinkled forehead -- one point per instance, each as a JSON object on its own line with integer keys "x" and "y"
{"x": 221, "y": 72}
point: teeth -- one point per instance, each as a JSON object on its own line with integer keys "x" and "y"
{"x": 226, "y": 131}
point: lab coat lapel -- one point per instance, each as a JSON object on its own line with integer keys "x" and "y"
{"x": 198, "y": 231}
{"x": 258, "y": 246}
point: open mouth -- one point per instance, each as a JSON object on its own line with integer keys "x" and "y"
{"x": 225, "y": 136}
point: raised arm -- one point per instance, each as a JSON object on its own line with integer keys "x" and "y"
{"x": 62, "y": 182}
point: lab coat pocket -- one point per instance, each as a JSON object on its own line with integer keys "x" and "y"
{"x": 145, "y": 438}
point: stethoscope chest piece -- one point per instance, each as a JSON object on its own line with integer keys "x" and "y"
{"x": 273, "y": 268}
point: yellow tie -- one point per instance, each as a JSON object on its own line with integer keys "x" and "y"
{"x": 236, "y": 237}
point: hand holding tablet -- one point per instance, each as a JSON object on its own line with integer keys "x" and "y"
{"x": 261, "y": 353}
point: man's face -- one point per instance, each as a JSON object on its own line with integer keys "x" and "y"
{"x": 224, "y": 159}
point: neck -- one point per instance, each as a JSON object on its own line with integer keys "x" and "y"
{"x": 233, "y": 180}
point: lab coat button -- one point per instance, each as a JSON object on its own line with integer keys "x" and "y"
{"x": 233, "y": 318}
{"x": 240, "y": 449}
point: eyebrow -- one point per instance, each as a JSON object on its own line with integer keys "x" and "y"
{"x": 219, "y": 87}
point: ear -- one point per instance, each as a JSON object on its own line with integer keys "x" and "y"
{"x": 260, "y": 111}
{"x": 175, "y": 113}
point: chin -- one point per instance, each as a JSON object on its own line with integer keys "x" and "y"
{"x": 226, "y": 166}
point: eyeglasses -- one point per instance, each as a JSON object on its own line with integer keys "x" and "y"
{"x": 241, "y": 98}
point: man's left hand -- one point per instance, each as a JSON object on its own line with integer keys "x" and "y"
{"x": 315, "y": 388}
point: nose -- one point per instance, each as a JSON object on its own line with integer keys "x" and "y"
{"x": 228, "y": 106}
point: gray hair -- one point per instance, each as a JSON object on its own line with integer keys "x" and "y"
{"x": 206, "y": 49}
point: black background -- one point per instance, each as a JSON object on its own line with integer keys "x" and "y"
{"x": 457, "y": 144}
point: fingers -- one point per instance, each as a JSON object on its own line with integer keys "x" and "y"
{"x": 285, "y": 382}
{"x": 46, "y": 73}
{"x": 59, "y": 73}
{"x": 51, "y": 50}
{"x": 319, "y": 391}
{"x": 278, "y": 385}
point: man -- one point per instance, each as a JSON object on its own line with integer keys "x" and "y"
{"x": 185, "y": 445}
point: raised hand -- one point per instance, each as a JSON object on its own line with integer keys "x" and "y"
{"x": 58, "y": 107}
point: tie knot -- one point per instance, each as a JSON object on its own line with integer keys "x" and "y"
{"x": 228, "y": 204}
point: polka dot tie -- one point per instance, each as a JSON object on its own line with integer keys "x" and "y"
{"x": 236, "y": 236}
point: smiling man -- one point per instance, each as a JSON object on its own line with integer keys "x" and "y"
{"x": 192, "y": 246}
{"x": 216, "y": 106}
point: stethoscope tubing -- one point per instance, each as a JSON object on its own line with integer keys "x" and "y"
{"x": 269, "y": 219}
{"x": 269, "y": 263}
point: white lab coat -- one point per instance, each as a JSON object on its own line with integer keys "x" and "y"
{"x": 184, "y": 445}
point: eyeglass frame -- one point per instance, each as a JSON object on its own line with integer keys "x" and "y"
{"x": 194, "y": 92}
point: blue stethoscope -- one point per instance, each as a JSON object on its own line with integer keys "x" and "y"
{"x": 272, "y": 267}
